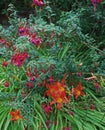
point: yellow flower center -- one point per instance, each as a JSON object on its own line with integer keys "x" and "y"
{"x": 78, "y": 92}
{"x": 59, "y": 100}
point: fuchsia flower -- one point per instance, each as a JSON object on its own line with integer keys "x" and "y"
{"x": 29, "y": 84}
{"x": 6, "y": 84}
{"x": 2, "y": 41}
{"x": 23, "y": 94}
{"x": 51, "y": 80}
{"x": 67, "y": 128}
{"x": 97, "y": 86}
{"x": 30, "y": 74}
{"x": 19, "y": 58}
{"x": 35, "y": 40}
{"x": 92, "y": 107}
{"x": 39, "y": 3}
{"x": 95, "y": 3}
{"x": 47, "y": 108}
{"x": 24, "y": 31}
{"x": 5, "y": 64}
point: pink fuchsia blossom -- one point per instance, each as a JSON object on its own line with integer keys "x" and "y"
{"x": 35, "y": 40}
{"x": 24, "y": 31}
{"x": 47, "y": 108}
{"x": 2, "y": 41}
{"x": 4, "y": 64}
{"x": 97, "y": 86}
{"x": 95, "y": 3}
{"x": 67, "y": 128}
{"x": 29, "y": 84}
{"x": 39, "y": 3}
{"x": 92, "y": 107}
{"x": 30, "y": 74}
{"x": 6, "y": 84}
{"x": 19, "y": 58}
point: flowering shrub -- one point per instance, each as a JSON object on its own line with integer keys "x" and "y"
{"x": 49, "y": 78}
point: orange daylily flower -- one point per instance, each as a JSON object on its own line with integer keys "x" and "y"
{"x": 58, "y": 93}
{"x": 16, "y": 115}
{"x": 78, "y": 91}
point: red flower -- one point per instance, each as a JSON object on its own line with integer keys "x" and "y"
{"x": 2, "y": 41}
{"x": 35, "y": 40}
{"x": 39, "y": 3}
{"x": 5, "y": 64}
{"x": 78, "y": 91}
{"x": 6, "y": 84}
{"x": 29, "y": 84}
{"x": 95, "y": 3}
{"x": 24, "y": 31}
{"x": 19, "y": 58}
{"x": 16, "y": 115}
{"x": 67, "y": 128}
{"x": 58, "y": 93}
{"x": 47, "y": 108}
{"x": 51, "y": 80}
{"x": 97, "y": 86}
{"x": 92, "y": 107}
{"x": 23, "y": 94}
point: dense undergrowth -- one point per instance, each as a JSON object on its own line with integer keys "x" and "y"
{"x": 52, "y": 70}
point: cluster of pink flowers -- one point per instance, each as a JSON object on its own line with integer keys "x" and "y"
{"x": 19, "y": 58}
{"x": 25, "y": 31}
{"x": 35, "y": 40}
{"x": 39, "y": 3}
{"x": 2, "y": 41}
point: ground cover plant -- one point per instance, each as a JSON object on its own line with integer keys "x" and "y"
{"x": 52, "y": 74}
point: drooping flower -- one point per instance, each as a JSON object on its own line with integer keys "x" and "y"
{"x": 5, "y": 64}
{"x": 67, "y": 128}
{"x": 39, "y": 3}
{"x": 47, "y": 108}
{"x": 51, "y": 80}
{"x": 16, "y": 115}
{"x": 29, "y": 84}
{"x": 24, "y": 31}
{"x": 6, "y": 84}
{"x": 78, "y": 91}
{"x": 19, "y": 58}
{"x": 30, "y": 74}
{"x": 2, "y": 41}
{"x": 58, "y": 93}
{"x": 48, "y": 124}
{"x": 95, "y": 3}
{"x": 23, "y": 94}
{"x": 92, "y": 107}
{"x": 35, "y": 40}
{"x": 97, "y": 86}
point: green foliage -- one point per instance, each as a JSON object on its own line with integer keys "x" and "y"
{"x": 66, "y": 49}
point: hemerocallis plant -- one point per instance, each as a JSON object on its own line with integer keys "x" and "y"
{"x": 16, "y": 115}
{"x": 57, "y": 91}
{"x": 78, "y": 91}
